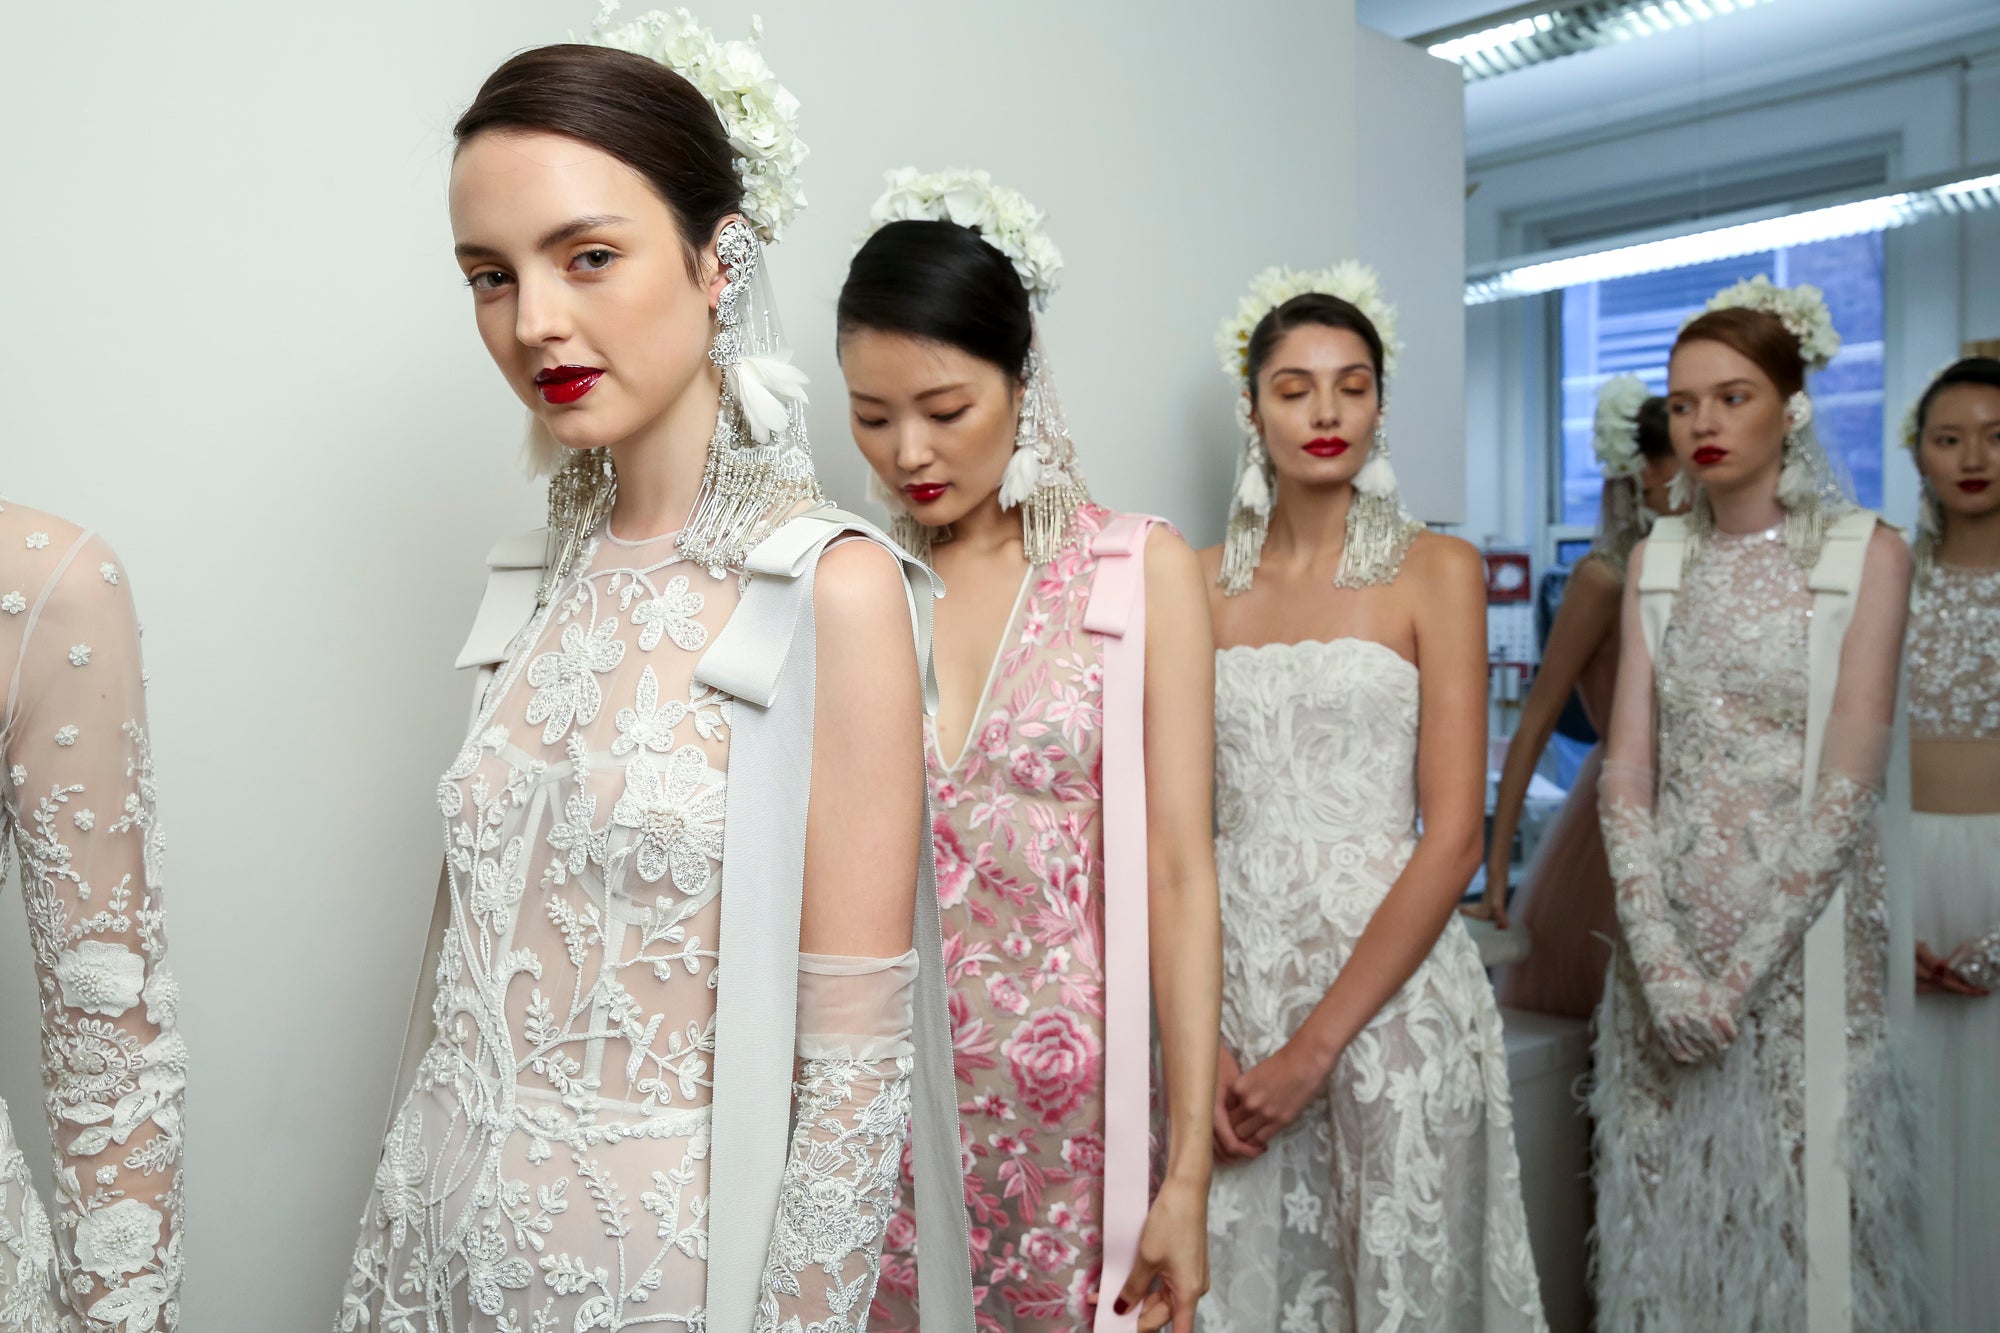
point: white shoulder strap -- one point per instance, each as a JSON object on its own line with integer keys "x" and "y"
{"x": 513, "y": 573}
{"x": 1659, "y": 579}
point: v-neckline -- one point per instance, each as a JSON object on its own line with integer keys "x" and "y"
{"x": 980, "y": 705}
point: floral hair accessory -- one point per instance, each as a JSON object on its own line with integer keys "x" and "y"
{"x": 1003, "y": 218}
{"x": 1350, "y": 280}
{"x": 1801, "y": 309}
{"x": 759, "y": 114}
{"x": 1615, "y": 433}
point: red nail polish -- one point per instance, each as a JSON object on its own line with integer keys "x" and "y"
{"x": 1119, "y": 1306}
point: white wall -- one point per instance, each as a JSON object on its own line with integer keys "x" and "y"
{"x": 241, "y": 349}
{"x": 1410, "y": 108}
{"x": 1927, "y": 111}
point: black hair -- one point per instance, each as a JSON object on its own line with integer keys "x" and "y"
{"x": 943, "y": 283}
{"x": 1656, "y": 439}
{"x": 632, "y": 107}
{"x": 1972, "y": 370}
{"x": 1310, "y": 308}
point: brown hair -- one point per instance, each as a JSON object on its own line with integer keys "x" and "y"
{"x": 1656, "y": 439}
{"x": 1310, "y": 308}
{"x": 633, "y": 108}
{"x": 1758, "y": 335}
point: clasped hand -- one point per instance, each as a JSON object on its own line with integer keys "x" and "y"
{"x": 1252, "y": 1106}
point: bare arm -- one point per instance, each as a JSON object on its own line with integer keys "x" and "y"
{"x": 856, "y": 967}
{"x": 1185, "y": 917}
{"x": 1449, "y": 598}
{"x": 1587, "y": 616}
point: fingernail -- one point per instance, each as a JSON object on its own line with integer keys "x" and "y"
{"x": 1119, "y": 1306}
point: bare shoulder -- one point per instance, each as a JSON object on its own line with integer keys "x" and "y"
{"x": 858, "y": 590}
{"x": 1209, "y": 559}
{"x": 1889, "y": 561}
{"x": 1595, "y": 574}
{"x": 1437, "y": 560}
{"x": 1171, "y": 562}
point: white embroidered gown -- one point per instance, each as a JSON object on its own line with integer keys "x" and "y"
{"x": 77, "y": 805}
{"x": 548, "y": 1171}
{"x": 1720, "y": 871}
{"x": 1394, "y": 1201}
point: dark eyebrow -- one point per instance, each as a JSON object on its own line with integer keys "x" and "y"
{"x": 927, "y": 393}
{"x": 568, "y": 231}
{"x": 1344, "y": 370}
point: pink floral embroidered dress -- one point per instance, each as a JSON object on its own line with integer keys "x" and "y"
{"x": 1017, "y": 820}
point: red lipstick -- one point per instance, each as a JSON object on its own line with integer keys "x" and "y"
{"x": 1973, "y": 485}
{"x": 925, "y": 492}
{"x": 1327, "y": 446}
{"x": 1709, "y": 455}
{"x": 566, "y": 384}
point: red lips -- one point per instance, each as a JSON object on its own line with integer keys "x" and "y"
{"x": 925, "y": 492}
{"x": 1709, "y": 455}
{"x": 566, "y": 384}
{"x": 1327, "y": 446}
{"x": 1974, "y": 485}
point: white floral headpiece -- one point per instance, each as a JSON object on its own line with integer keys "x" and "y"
{"x": 1615, "y": 434}
{"x": 760, "y": 116}
{"x": 1350, "y": 280}
{"x": 1801, "y": 309}
{"x": 1003, "y": 218}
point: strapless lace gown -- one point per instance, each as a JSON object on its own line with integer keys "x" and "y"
{"x": 1394, "y": 1202}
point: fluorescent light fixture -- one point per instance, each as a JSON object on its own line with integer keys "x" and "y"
{"x": 1964, "y": 191}
{"x": 1532, "y": 34}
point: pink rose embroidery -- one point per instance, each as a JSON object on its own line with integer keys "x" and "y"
{"x": 1053, "y": 1058}
{"x": 993, "y": 737}
{"x": 1031, "y": 769}
{"x": 902, "y": 1233}
{"x": 1017, "y": 946}
{"x": 1084, "y": 1155}
{"x": 1003, "y": 993}
{"x": 954, "y": 867}
{"x": 1046, "y": 1250}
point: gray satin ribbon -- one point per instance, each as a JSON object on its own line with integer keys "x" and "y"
{"x": 765, "y": 658}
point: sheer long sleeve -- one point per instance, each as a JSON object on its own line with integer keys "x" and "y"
{"x": 1691, "y": 1013}
{"x": 80, "y": 791}
{"x": 1978, "y": 960}
{"x": 851, "y": 1110}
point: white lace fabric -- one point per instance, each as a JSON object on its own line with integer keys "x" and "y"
{"x": 78, "y": 804}
{"x": 549, "y": 1168}
{"x": 1394, "y": 1201}
{"x": 1720, "y": 871}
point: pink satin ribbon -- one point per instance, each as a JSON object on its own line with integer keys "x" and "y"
{"x": 1117, "y": 610}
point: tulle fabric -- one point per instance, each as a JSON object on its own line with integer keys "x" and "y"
{"x": 1956, "y": 884}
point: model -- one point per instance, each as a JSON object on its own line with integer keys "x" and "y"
{"x": 1367, "y": 1177}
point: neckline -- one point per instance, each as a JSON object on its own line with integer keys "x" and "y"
{"x": 1334, "y": 642}
{"x": 1775, "y": 532}
{"x": 1970, "y": 572}
{"x": 632, "y": 543}
{"x": 984, "y": 701}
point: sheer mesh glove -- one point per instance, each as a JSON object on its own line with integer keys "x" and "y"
{"x": 851, "y": 1112}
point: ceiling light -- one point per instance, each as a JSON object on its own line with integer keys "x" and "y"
{"x": 1532, "y": 34}
{"x": 1963, "y": 191}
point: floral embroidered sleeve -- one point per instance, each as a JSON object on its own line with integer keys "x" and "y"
{"x": 80, "y": 796}
{"x": 1978, "y": 961}
{"x": 851, "y": 1109}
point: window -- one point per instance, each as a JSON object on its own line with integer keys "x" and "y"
{"x": 1626, "y": 326}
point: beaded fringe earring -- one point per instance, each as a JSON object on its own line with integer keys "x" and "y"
{"x": 581, "y": 492}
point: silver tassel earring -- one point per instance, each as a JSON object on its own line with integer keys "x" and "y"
{"x": 1799, "y": 484}
{"x": 1379, "y": 529}
{"x": 1930, "y": 532}
{"x": 1249, "y": 507}
{"x": 1042, "y": 476}
{"x": 581, "y": 492}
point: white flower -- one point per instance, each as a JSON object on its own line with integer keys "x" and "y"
{"x": 677, "y": 815}
{"x": 119, "y": 1239}
{"x": 1801, "y": 309}
{"x": 13, "y": 603}
{"x": 66, "y": 736}
{"x": 1004, "y": 219}
{"x": 650, "y": 725}
{"x": 760, "y": 116}
{"x": 80, "y": 655}
{"x": 100, "y": 978}
{"x": 109, "y": 572}
{"x": 85, "y": 820}
{"x": 1349, "y": 280}
{"x": 673, "y": 611}
{"x": 1616, "y": 433}
{"x": 565, "y": 681}
{"x": 37, "y": 540}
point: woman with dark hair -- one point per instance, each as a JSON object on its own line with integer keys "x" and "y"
{"x": 665, "y": 1065}
{"x": 1070, "y": 771}
{"x": 1952, "y": 679}
{"x": 1755, "y": 1163}
{"x": 1566, "y": 905}
{"x": 1367, "y": 1176}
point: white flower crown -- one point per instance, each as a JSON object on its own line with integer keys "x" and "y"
{"x": 1907, "y": 431}
{"x": 760, "y": 116}
{"x": 1801, "y": 309}
{"x": 1003, "y": 218}
{"x": 1615, "y": 433}
{"x": 1350, "y": 280}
